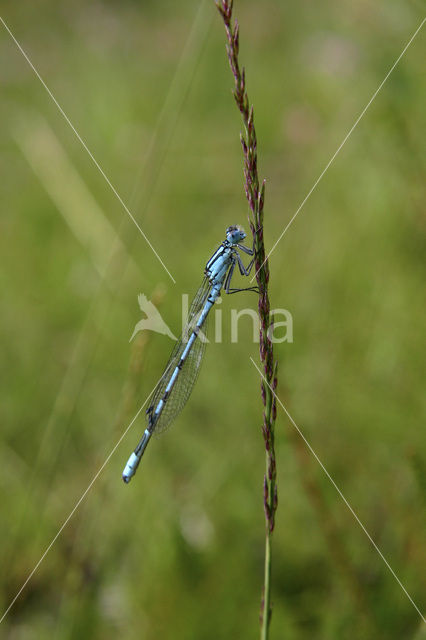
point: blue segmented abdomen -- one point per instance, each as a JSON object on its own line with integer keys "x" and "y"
{"x": 182, "y": 369}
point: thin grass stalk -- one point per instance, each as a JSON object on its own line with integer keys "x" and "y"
{"x": 255, "y": 194}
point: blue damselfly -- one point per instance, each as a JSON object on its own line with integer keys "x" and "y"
{"x": 175, "y": 386}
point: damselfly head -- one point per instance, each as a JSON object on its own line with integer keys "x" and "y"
{"x": 235, "y": 234}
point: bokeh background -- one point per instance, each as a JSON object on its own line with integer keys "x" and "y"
{"x": 179, "y": 552}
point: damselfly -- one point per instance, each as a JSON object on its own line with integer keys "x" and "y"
{"x": 175, "y": 386}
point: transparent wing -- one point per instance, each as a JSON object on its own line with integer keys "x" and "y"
{"x": 185, "y": 382}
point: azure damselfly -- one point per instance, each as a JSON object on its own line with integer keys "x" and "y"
{"x": 175, "y": 385}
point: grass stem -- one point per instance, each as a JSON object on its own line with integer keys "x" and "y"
{"x": 255, "y": 194}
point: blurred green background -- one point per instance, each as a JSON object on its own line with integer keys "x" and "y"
{"x": 179, "y": 552}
